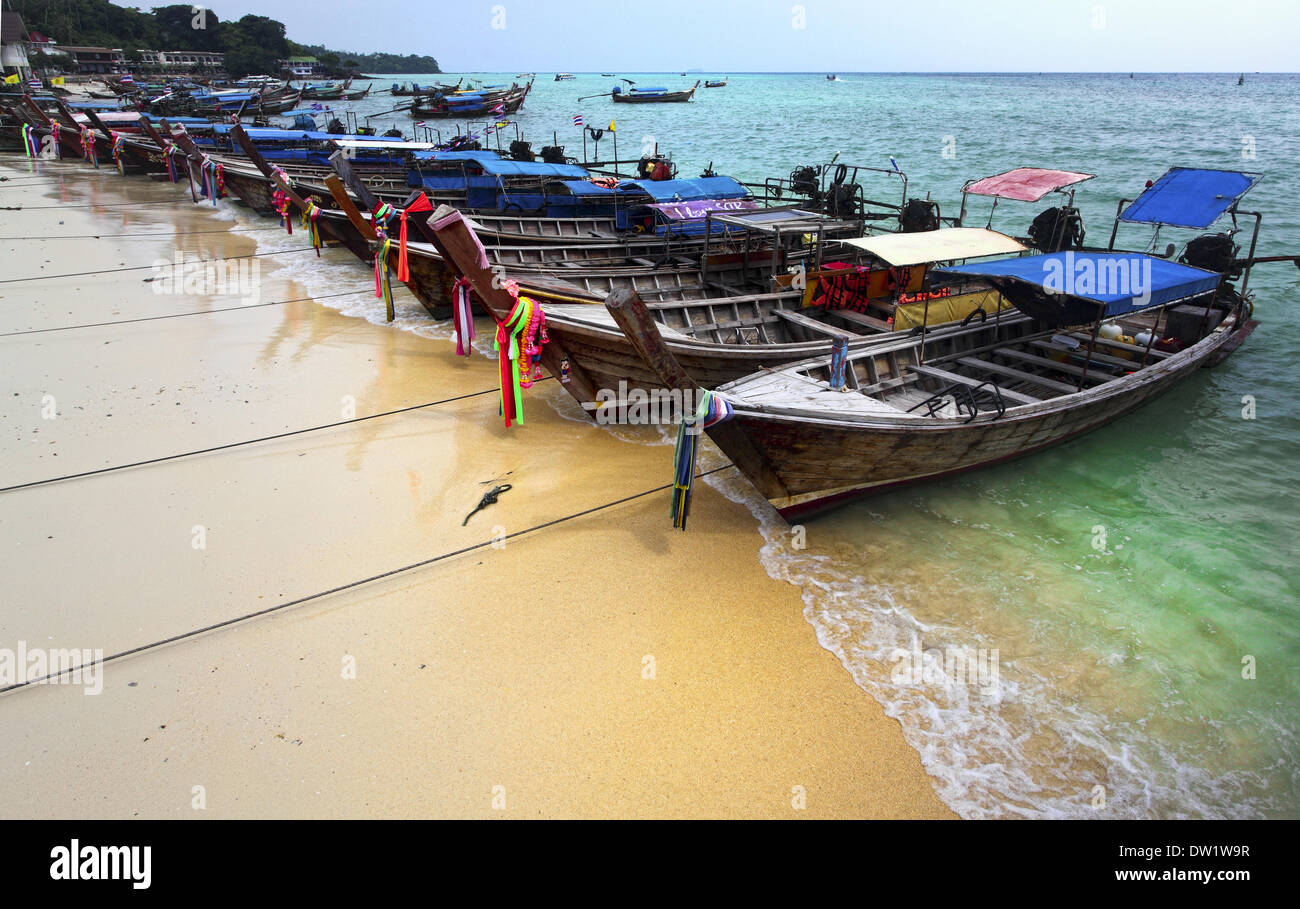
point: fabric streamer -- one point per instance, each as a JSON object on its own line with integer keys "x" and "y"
{"x": 88, "y": 150}
{"x": 383, "y": 282}
{"x": 518, "y": 345}
{"x": 711, "y": 411}
{"x": 118, "y": 142}
{"x": 420, "y": 204}
{"x": 168, "y": 152}
{"x": 309, "y": 216}
{"x": 462, "y": 316}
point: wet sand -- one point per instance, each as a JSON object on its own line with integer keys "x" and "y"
{"x": 603, "y": 666}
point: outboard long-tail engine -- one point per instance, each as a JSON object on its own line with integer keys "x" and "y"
{"x": 655, "y": 167}
{"x": 522, "y": 151}
{"x": 919, "y": 215}
{"x": 803, "y": 181}
{"x": 553, "y": 154}
{"x": 336, "y": 127}
{"x": 393, "y": 133}
{"x": 1057, "y": 229}
{"x": 840, "y": 200}
{"x": 1213, "y": 252}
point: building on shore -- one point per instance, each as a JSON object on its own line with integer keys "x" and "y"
{"x": 181, "y": 60}
{"x": 300, "y": 67}
{"x": 85, "y": 61}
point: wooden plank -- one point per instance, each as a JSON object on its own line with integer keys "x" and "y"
{"x": 951, "y": 377}
{"x": 815, "y": 326}
{"x": 888, "y": 384}
{"x": 1034, "y": 360}
{"x": 1010, "y": 373}
{"x": 863, "y": 319}
{"x": 1097, "y": 357}
{"x": 1120, "y": 345}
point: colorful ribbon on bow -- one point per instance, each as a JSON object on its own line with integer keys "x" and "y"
{"x": 88, "y": 150}
{"x": 214, "y": 181}
{"x": 118, "y": 142}
{"x": 420, "y": 204}
{"x": 31, "y": 145}
{"x": 518, "y": 345}
{"x": 168, "y": 152}
{"x": 383, "y": 281}
{"x": 309, "y": 216}
{"x": 382, "y": 214}
{"x": 462, "y": 316}
{"x": 711, "y": 411}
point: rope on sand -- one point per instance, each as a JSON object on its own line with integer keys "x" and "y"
{"x": 349, "y": 586}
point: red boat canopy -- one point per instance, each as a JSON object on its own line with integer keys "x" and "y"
{"x": 1026, "y": 184}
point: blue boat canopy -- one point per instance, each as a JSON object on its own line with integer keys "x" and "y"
{"x": 480, "y": 155}
{"x": 1079, "y": 287}
{"x": 494, "y": 166}
{"x": 586, "y": 188}
{"x": 686, "y": 190}
{"x": 1189, "y": 197}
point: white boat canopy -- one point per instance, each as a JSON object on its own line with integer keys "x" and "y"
{"x": 943, "y": 245}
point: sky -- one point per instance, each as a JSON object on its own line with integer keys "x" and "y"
{"x": 720, "y": 36}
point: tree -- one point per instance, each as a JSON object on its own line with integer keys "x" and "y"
{"x": 186, "y": 27}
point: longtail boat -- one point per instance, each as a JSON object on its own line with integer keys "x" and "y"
{"x": 720, "y": 83}
{"x": 637, "y": 95}
{"x": 1097, "y": 334}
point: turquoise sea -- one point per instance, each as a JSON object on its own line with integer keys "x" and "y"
{"x": 1140, "y": 584}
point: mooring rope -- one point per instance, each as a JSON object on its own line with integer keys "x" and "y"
{"x": 109, "y": 271}
{"x": 229, "y": 445}
{"x": 226, "y": 623}
{"x": 179, "y": 315}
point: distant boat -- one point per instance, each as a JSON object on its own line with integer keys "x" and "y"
{"x": 607, "y": 74}
{"x": 649, "y": 95}
{"x": 1241, "y": 80}
{"x": 831, "y": 77}
{"x": 722, "y": 83}
{"x": 564, "y": 77}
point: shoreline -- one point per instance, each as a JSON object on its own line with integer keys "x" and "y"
{"x": 474, "y": 672}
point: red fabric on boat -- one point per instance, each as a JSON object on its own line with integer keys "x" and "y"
{"x": 1026, "y": 184}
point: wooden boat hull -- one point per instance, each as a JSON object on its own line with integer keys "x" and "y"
{"x": 666, "y": 98}
{"x": 805, "y": 464}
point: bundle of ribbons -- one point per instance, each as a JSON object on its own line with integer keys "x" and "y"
{"x": 383, "y": 280}
{"x": 214, "y": 180}
{"x": 309, "y": 216}
{"x": 280, "y": 199}
{"x": 711, "y": 411}
{"x": 518, "y": 343}
{"x": 118, "y": 142}
{"x": 462, "y": 316}
{"x": 88, "y": 150}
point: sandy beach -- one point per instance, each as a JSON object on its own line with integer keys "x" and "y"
{"x": 602, "y": 666}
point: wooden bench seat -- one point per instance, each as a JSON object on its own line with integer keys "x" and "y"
{"x": 943, "y": 375}
{"x": 813, "y": 325}
{"x": 1010, "y": 373}
{"x": 1048, "y": 363}
{"x": 860, "y": 318}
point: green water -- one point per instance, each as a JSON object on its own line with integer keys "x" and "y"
{"x": 1121, "y": 659}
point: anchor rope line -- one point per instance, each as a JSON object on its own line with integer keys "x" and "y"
{"x": 229, "y": 445}
{"x": 179, "y": 315}
{"x": 109, "y": 271}
{"x": 351, "y": 585}
{"x": 177, "y": 235}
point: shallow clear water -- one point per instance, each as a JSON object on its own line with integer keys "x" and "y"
{"x": 1127, "y": 580}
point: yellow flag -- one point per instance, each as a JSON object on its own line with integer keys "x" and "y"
{"x": 611, "y": 126}
{"x": 57, "y": 80}
{"x": 11, "y": 80}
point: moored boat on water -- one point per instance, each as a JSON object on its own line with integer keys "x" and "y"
{"x": 1096, "y": 335}
{"x": 636, "y": 95}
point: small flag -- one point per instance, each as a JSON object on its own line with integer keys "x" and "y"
{"x": 502, "y": 124}
{"x": 500, "y": 108}
{"x": 35, "y": 83}
{"x": 419, "y": 122}
{"x": 894, "y": 164}
{"x": 611, "y": 126}
{"x": 126, "y": 80}
{"x": 58, "y": 80}
{"x": 11, "y": 80}
{"x": 577, "y": 121}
